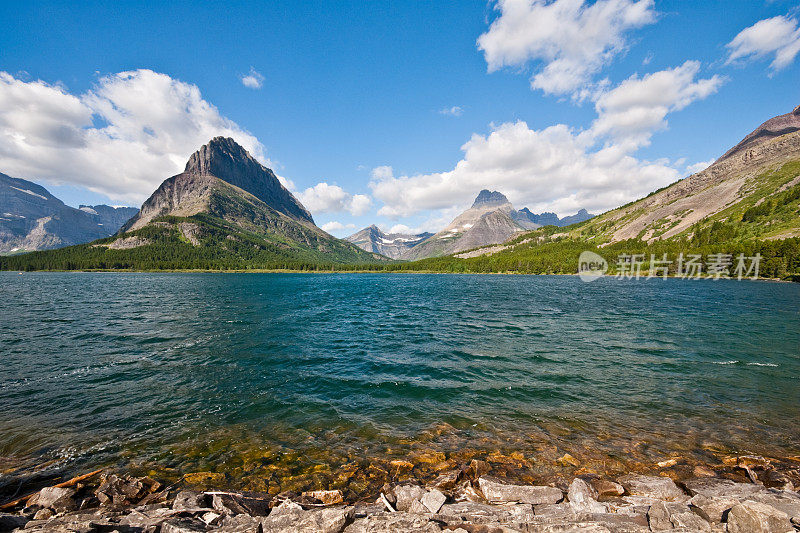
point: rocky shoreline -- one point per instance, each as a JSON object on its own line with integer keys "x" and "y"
{"x": 466, "y": 500}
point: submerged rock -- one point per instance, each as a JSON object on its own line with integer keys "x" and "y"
{"x": 605, "y": 488}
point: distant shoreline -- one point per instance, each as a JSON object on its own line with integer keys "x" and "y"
{"x": 427, "y": 272}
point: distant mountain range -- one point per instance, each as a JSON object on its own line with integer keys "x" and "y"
{"x": 228, "y": 211}
{"x": 392, "y": 245}
{"x": 33, "y": 219}
{"x": 225, "y": 210}
{"x": 491, "y": 220}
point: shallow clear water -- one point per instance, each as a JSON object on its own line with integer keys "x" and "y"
{"x": 194, "y": 371}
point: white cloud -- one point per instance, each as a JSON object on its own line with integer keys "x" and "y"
{"x": 554, "y": 167}
{"x": 336, "y": 226}
{"x": 286, "y": 182}
{"x": 637, "y": 107}
{"x": 122, "y": 139}
{"x": 400, "y": 228}
{"x": 454, "y": 111}
{"x": 778, "y": 36}
{"x": 253, "y": 79}
{"x": 570, "y": 41}
{"x": 557, "y": 168}
{"x": 325, "y": 198}
{"x": 697, "y": 167}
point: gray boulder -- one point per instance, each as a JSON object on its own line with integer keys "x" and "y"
{"x": 289, "y": 517}
{"x": 183, "y": 525}
{"x": 433, "y": 500}
{"x": 191, "y": 502}
{"x": 58, "y": 499}
{"x": 782, "y": 500}
{"x": 392, "y": 523}
{"x": 482, "y": 513}
{"x": 582, "y": 498}
{"x": 757, "y": 517}
{"x": 240, "y": 524}
{"x": 406, "y": 494}
{"x": 9, "y": 522}
{"x": 658, "y": 487}
{"x": 497, "y": 491}
{"x": 689, "y": 521}
{"x": 712, "y": 509}
{"x": 713, "y": 487}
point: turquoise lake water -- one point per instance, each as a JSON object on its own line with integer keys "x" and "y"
{"x": 153, "y": 369}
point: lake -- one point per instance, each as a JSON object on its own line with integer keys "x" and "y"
{"x": 288, "y": 380}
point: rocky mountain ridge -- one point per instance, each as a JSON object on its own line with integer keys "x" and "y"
{"x": 31, "y": 218}
{"x": 240, "y": 216}
{"x": 392, "y": 245}
{"x": 221, "y": 160}
{"x": 491, "y": 220}
{"x": 748, "y": 174}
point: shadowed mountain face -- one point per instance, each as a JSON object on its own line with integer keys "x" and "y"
{"x": 33, "y": 219}
{"x": 487, "y": 198}
{"x": 393, "y": 245}
{"x": 221, "y": 160}
{"x": 551, "y": 219}
{"x": 225, "y": 159}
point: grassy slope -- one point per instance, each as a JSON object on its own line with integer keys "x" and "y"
{"x": 770, "y": 208}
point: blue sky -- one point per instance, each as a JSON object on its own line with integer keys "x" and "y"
{"x": 392, "y": 112}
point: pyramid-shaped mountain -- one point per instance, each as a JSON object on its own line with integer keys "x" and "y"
{"x": 491, "y": 220}
{"x": 209, "y": 174}
{"x": 225, "y": 210}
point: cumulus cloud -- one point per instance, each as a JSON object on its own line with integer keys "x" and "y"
{"x": 569, "y": 41}
{"x": 333, "y": 226}
{"x": 325, "y": 198}
{"x": 554, "y": 167}
{"x": 454, "y": 111}
{"x": 559, "y": 168}
{"x": 697, "y": 167}
{"x": 122, "y": 138}
{"x": 253, "y": 79}
{"x": 637, "y": 107}
{"x": 777, "y": 36}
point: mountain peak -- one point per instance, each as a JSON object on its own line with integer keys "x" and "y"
{"x": 224, "y": 158}
{"x": 774, "y": 127}
{"x": 488, "y": 198}
{"x": 216, "y": 156}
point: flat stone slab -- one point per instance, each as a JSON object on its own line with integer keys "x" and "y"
{"x": 496, "y": 491}
{"x": 658, "y": 487}
{"x": 712, "y": 487}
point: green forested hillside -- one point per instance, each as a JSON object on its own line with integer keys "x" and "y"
{"x": 218, "y": 245}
